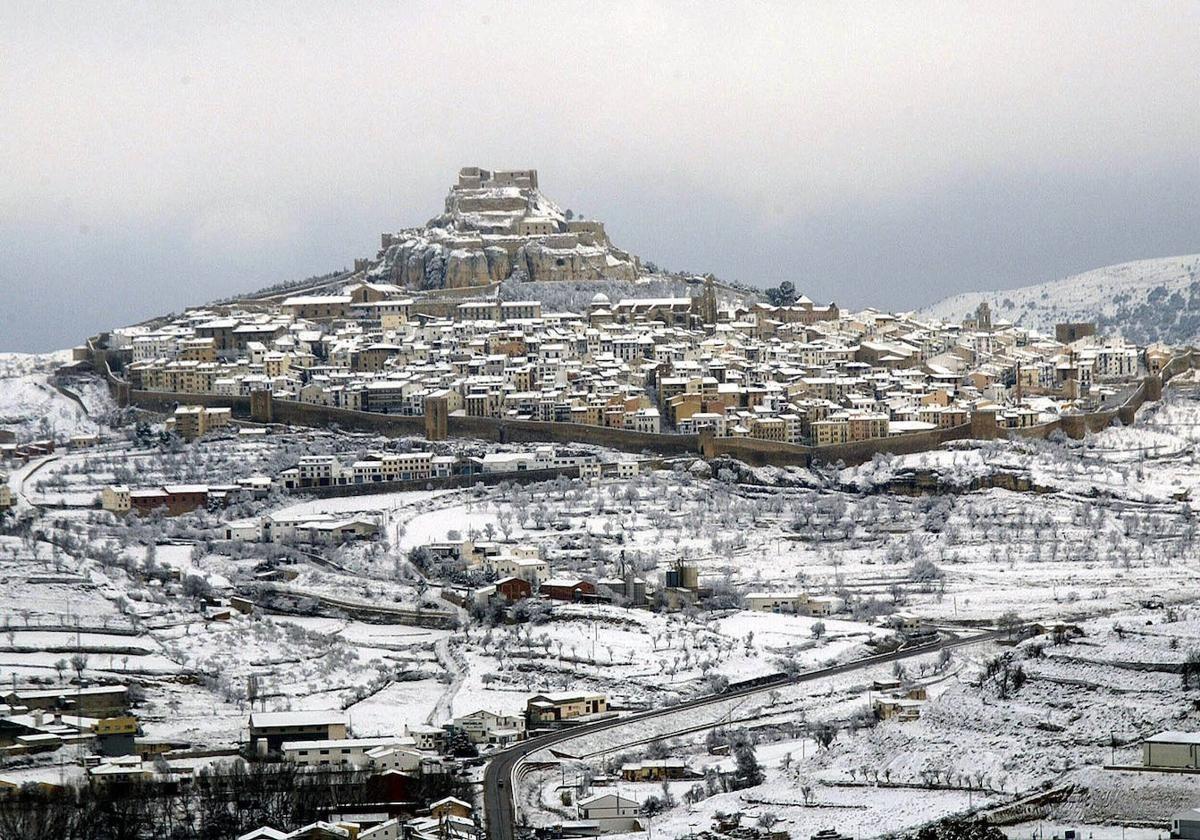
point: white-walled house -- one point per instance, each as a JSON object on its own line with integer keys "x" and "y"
{"x": 612, "y": 812}
{"x": 351, "y": 751}
{"x": 486, "y": 727}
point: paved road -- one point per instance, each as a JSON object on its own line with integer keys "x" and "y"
{"x": 498, "y": 777}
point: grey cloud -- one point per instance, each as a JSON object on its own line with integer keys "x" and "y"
{"x": 874, "y": 153}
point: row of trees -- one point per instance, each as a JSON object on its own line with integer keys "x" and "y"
{"x": 216, "y": 805}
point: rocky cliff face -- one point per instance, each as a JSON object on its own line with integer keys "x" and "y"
{"x": 499, "y": 227}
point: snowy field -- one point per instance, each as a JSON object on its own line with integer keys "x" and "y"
{"x": 1106, "y": 546}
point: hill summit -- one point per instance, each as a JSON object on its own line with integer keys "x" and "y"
{"x": 1144, "y": 300}
{"x": 497, "y": 226}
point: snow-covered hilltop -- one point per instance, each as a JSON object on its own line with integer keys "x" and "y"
{"x": 1145, "y": 300}
{"x": 497, "y": 226}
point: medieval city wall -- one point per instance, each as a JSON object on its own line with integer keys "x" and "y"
{"x": 749, "y": 450}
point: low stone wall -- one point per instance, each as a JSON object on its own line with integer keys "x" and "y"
{"x": 773, "y": 453}
{"x": 533, "y": 431}
{"x": 306, "y": 414}
{"x": 164, "y": 402}
{"x": 862, "y": 451}
{"x": 758, "y": 453}
{"x": 401, "y": 425}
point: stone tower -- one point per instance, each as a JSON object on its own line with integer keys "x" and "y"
{"x": 437, "y": 413}
{"x": 707, "y": 310}
{"x": 983, "y": 317}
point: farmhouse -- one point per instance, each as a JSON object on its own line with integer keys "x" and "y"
{"x": 511, "y": 589}
{"x": 547, "y": 708}
{"x": 94, "y": 701}
{"x": 656, "y": 770}
{"x": 1172, "y": 749}
{"x": 612, "y": 812}
{"x": 484, "y": 727}
{"x": 270, "y": 730}
{"x": 353, "y": 751}
{"x": 567, "y": 589}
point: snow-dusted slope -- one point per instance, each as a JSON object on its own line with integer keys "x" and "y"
{"x": 1146, "y": 300}
{"x": 32, "y": 407}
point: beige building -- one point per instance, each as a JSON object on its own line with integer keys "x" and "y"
{"x": 486, "y": 727}
{"x": 797, "y": 603}
{"x": 191, "y": 422}
{"x": 612, "y": 812}
{"x": 1179, "y": 750}
{"x": 547, "y": 708}
{"x": 115, "y": 499}
{"x": 269, "y": 731}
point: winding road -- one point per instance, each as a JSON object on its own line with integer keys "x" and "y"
{"x": 499, "y": 781}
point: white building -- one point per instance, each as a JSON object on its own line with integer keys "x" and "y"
{"x": 351, "y": 751}
{"x": 485, "y": 727}
{"x": 612, "y": 812}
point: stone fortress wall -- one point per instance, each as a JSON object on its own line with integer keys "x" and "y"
{"x": 497, "y": 224}
{"x": 264, "y": 408}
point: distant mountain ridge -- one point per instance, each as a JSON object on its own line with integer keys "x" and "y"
{"x": 1144, "y": 301}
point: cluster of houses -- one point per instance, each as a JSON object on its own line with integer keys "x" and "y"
{"x": 321, "y": 738}
{"x": 419, "y": 465}
{"x": 95, "y": 718}
{"x": 799, "y": 373}
{"x": 178, "y": 499}
{"x": 315, "y": 471}
{"x": 520, "y": 571}
{"x": 449, "y": 818}
{"x": 19, "y": 453}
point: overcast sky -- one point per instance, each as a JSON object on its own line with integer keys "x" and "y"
{"x": 164, "y": 154}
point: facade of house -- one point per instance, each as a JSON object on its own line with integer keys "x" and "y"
{"x": 115, "y": 499}
{"x": 551, "y": 708}
{"x": 512, "y": 589}
{"x": 612, "y": 812}
{"x": 567, "y": 589}
{"x": 269, "y": 731}
{"x": 354, "y": 752}
{"x": 1186, "y": 824}
{"x": 1179, "y": 750}
{"x": 487, "y": 727}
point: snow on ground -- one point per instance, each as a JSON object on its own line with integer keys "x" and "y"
{"x": 1115, "y": 528}
{"x": 1117, "y": 296}
{"x": 33, "y": 408}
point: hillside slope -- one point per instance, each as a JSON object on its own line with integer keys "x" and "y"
{"x": 1145, "y": 301}
{"x": 31, "y": 407}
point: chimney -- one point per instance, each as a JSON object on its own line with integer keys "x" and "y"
{"x": 38, "y": 717}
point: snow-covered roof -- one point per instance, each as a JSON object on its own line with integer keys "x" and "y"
{"x": 304, "y": 718}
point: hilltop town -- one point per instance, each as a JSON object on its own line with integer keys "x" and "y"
{"x": 399, "y": 552}
{"x": 424, "y": 333}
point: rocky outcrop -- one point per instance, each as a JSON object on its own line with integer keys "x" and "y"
{"x": 581, "y": 262}
{"x": 497, "y": 227}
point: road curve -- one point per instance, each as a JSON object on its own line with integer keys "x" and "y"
{"x": 498, "y": 793}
